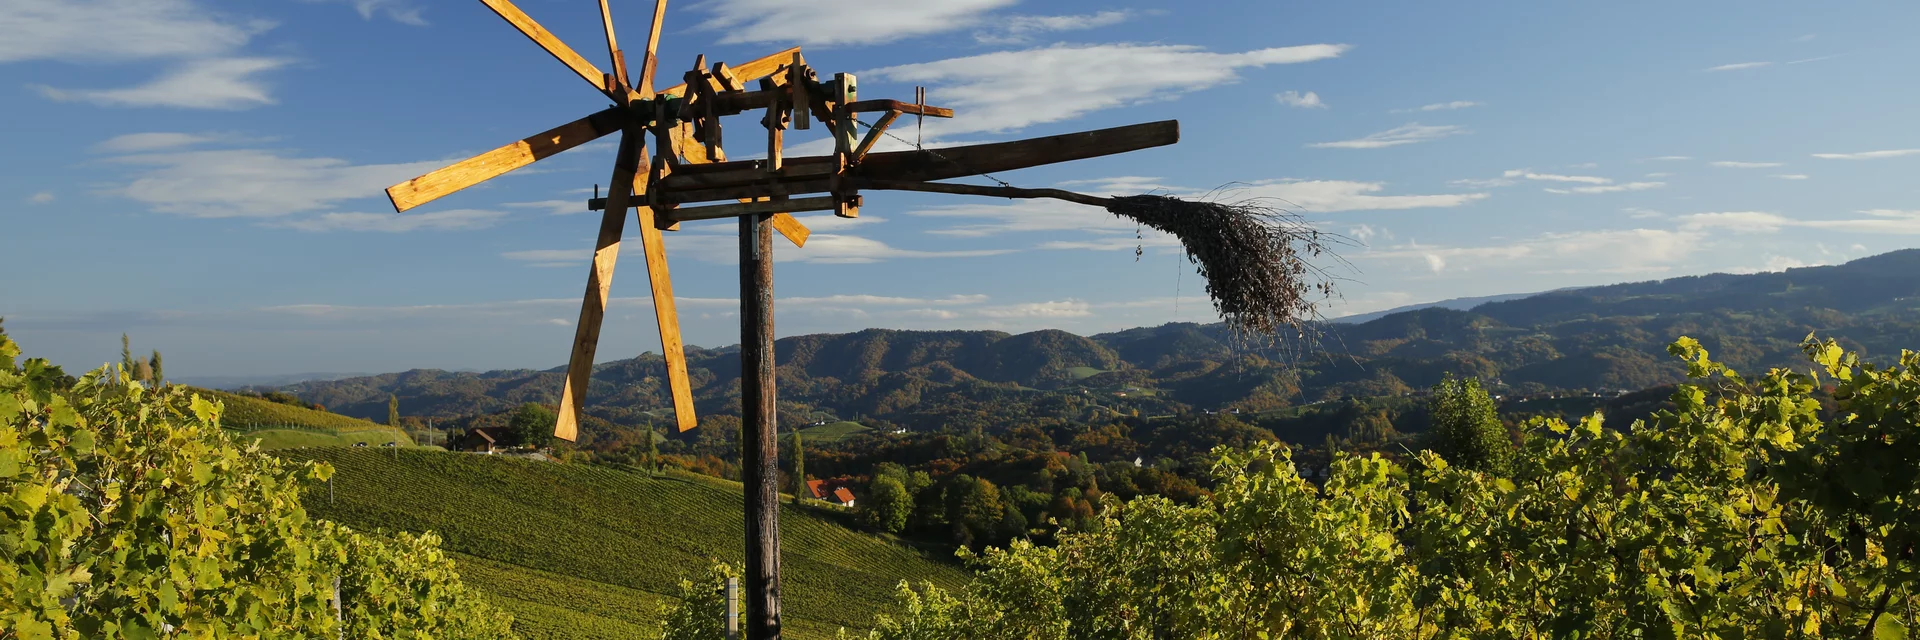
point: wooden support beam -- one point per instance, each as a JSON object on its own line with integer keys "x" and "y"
{"x": 868, "y": 106}
{"x": 667, "y": 316}
{"x": 938, "y": 164}
{"x": 485, "y": 166}
{"x": 755, "y": 207}
{"x": 759, "y": 468}
{"x": 981, "y": 190}
{"x": 873, "y": 136}
{"x": 653, "y": 47}
{"x": 759, "y": 68}
{"x": 796, "y": 82}
{"x": 613, "y": 45}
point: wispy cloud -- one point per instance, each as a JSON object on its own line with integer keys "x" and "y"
{"x": 1404, "y": 134}
{"x": 401, "y": 11}
{"x": 449, "y": 220}
{"x": 552, "y": 207}
{"x": 213, "y": 83}
{"x": 1308, "y": 100}
{"x": 1008, "y": 90}
{"x": 1868, "y": 155}
{"x": 1790, "y": 176}
{"x": 41, "y": 197}
{"x": 1739, "y": 66}
{"x": 1611, "y": 188}
{"x": 1637, "y": 251}
{"x": 1021, "y": 29}
{"x": 1443, "y": 106}
{"x": 1550, "y": 177}
{"x": 840, "y": 23}
{"x": 225, "y": 183}
{"x": 1734, "y": 164}
{"x": 1879, "y": 221}
{"x": 1671, "y": 158}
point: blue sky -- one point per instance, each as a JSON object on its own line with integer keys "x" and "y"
{"x": 206, "y": 175}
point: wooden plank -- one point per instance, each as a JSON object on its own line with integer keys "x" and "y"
{"x": 791, "y": 227}
{"x": 873, "y": 135}
{"x": 981, "y": 190}
{"x": 653, "y": 49}
{"x": 682, "y": 136}
{"x": 593, "y": 309}
{"x": 755, "y": 70}
{"x": 668, "y": 318}
{"x": 689, "y": 214}
{"x": 936, "y": 164}
{"x": 491, "y": 164}
{"x": 741, "y": 193}
{"x": 540, "y": 36}
{"x": 796, "y": 80}
{"x": 868, "y": 106}
{"x": 613, "y": 44}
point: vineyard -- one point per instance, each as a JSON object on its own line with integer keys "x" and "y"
{"x": 281, "y": 426}
{"x": 575, "y": 551}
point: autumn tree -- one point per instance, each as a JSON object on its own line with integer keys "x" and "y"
{"x": 1466, "y": 427}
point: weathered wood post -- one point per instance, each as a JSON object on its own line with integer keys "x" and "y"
{"x": 759, "y": 470}
{"x": 733, "y": 609}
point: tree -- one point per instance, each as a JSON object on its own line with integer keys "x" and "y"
{"x": 798, "y": 472}
{"x": 393, "y": 411}
{"x": 886, "y": 506}
{"x": 531, "y": 424}
{"x": 126, "y": 354}
{"x": 974, "y": 509}
{"x": 158, "y": 375}
{"x": 1466, "y": 427}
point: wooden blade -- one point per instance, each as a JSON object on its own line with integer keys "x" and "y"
{"x": 613, "y": 45}
{"x": 653, "y": 48}
{"x": 540, "y": 36}
{"x": 667, "y": 316}
{"x": 486, "y": 166}
{"x": 593, "y": 310}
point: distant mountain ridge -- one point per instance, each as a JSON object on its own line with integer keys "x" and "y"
{"x": 1610, "y": 337}
{"x": 1456, "y": 304}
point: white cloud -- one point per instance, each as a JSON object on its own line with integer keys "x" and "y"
{"x": 1880, "y": 221}
{"x": 204, "y": 70}
{"x": 1739, "y": 65}
{"x": 1050, "y": 309}
{"x": 1607, "y": 251}
{"x": 1483, "y": 183}
{"x": 211, "y": 83}
{"x": 1008, "y": 90}
{"x": 449, "y": 220}
{"x": 1641, "y": 212}
{"x": 1611, "y": 188}
{"x": 1734, "y": 164}
{"x": 1671, "y": 158}
{"x": 255, "y": 183}
{"x": 41, "y": 197}
{"x": 1815, "y": 59}
{"x": 552, "y": 207}
{"x": 1660, "y": 174}
{"x": 1019, "y": 29}
{"x": 401, "y": 11}
{"x": 1308, "y": 196}
{"x": 1790, "y": 176}
{"x": 137, "y": 142}
{"x": 1405, "y": 134}
{"x": 1308, "y": 100}
{"x": 1868, "y": 155}
{"x": 117, "y": 30}
{"x": 1550, "y": 177}
{"x": 1443, "y": 106}
{"x": 846, "y": 22}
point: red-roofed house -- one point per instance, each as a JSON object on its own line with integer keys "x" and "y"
{"x": 823, "y": 491}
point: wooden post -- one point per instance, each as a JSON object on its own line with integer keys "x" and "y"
{"x": 759, "y": 470}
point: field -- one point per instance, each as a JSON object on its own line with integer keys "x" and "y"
{"x": 832, "y": 432}
{"x": 576, "y": 551}
{"x": 281, "y": 426}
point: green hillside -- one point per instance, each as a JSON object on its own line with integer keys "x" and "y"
{"x": 833, "y": 432}
{"x": 577, "y": 551}
{"x": 284, "y": 426}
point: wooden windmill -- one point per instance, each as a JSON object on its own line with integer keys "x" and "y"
{"x": 688, "y": 173}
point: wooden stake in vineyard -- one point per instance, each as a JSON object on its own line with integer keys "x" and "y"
{"x": 1248, "y": 253}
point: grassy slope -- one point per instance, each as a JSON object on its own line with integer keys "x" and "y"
{"x": 281, "y": 426}
{"x": 832, "y": 432}
{"x": 607, "y": 546}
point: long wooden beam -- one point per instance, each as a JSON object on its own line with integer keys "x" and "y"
{"x": 552, "y": 44}
{"x": 491, "y": 164}
{"x": 755, "y": 207}
{"x": 941, "y": 163}
{"x": 593, "y": 310}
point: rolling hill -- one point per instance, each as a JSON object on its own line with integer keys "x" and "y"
{"x": 280, "y": 426}
{"x": 578, "y": 551}
{"x": 1599, "y": 338}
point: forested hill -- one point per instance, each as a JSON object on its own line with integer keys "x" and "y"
{"x": 1600, "y": 338}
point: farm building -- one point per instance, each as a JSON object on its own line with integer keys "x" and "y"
{"x": 839, "y": 495}
{"x": 481, "y": 440}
